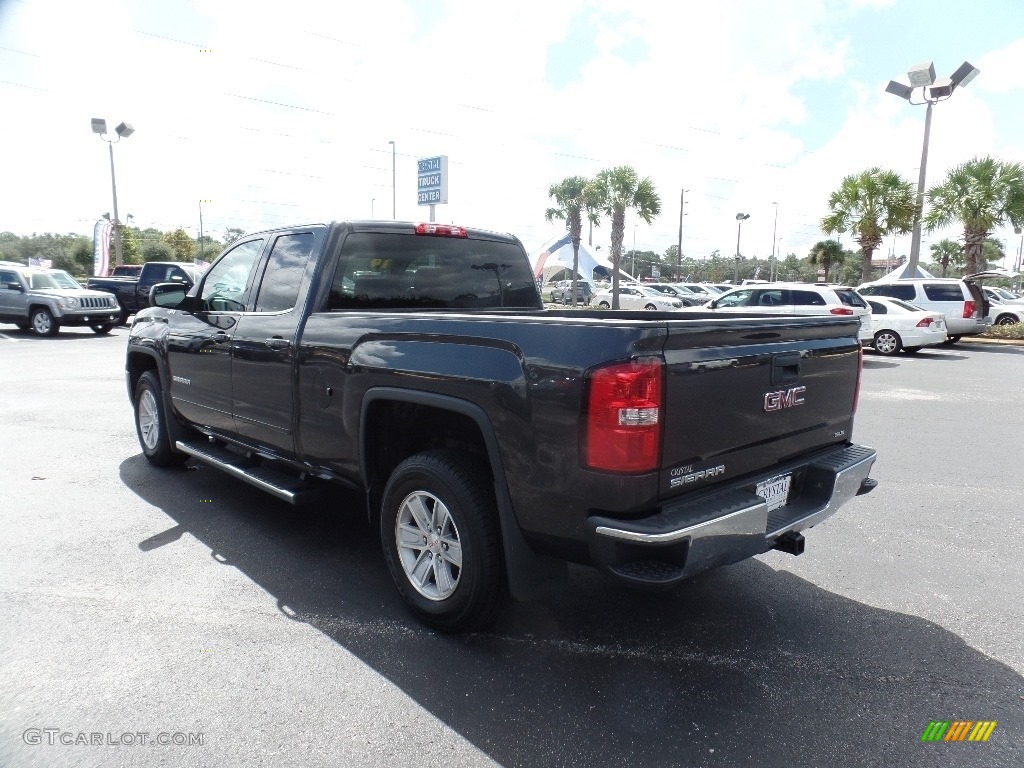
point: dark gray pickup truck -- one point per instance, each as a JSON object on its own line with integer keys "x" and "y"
{"x": 495, "y": 440}
{"x": 132, "y": 293}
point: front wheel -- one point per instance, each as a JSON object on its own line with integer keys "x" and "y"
{"x": 887, "y": 342}
{"x": 151, "y": 423}
{"x": 122, "y": 318}
{"x": 603, "y": 305}
{"x": 650, "y": 307}
{"x": 439, "y": 530}
{"x": 102, "y": 330}
{"x": 43, "y": 323}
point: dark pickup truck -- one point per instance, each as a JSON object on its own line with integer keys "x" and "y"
{"x": 494, "y": 440}
{"x": 133, "y": 292}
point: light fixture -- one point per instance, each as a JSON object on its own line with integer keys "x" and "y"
{"x": 899, "y": 89}
{"x": 124, "y": 130}
{"x": 922, "y": 74}
{"x": 99, "y": 125}
{"x": 964, "y": 74}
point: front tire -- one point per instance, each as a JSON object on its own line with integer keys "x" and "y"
{"x": 43, "y": 323}
{"x": 650, "y": 307}
{"x": 151, "y": 423}
{"x": 442, "y": 543}
{"x": 603, "y": 305}
{"x": 122, "y": 318}
{"x": 887, "y": 342}
{"x": 102, "y": 330}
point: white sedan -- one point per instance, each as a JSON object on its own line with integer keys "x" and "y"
{"x": 637, "y": 297}
{"x": 1004, "y": 313}
{"x": 897, "y": 325}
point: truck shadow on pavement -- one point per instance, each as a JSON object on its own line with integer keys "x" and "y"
{"x": 743, "y": 666}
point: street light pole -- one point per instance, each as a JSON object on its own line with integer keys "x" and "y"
{"x": 394, "y": 207}
{"x": 775, "y": 232}
{"x": 124, "y": 130}
{"x": 632, "y": 267}
{"x": 932, "y": 91}
{"x": 679, "y": 247}
{"x": 740, "y": 218}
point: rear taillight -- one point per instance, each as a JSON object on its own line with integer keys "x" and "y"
{"x": 925, "y": 323}
{"x": 441, "y": 230}
{"x": 622, "y": 415}
{"x": 841, "y": 311}
{"x": 968, "y": 309}
{"x": 860, "y": 373}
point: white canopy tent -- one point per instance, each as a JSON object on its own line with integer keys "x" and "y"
{"x": 556, "y": 255}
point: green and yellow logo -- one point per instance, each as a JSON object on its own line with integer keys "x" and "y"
{"x": 958, "y": 730}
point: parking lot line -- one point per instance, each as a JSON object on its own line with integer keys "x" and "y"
{"x": 8, "y": 338}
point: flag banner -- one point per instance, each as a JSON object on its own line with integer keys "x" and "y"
{"x": 101, "y": 247}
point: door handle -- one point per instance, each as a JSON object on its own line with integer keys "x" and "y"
{"x": 277, "y": 342}
{"x": 220, "y": 337}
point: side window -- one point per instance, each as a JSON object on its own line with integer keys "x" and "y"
{"x": 225, "y": 286}
{"x": 279, "y": 289}
{"x": 850, "y": 298}
{"x": 878, "y": 308}
{"x": 177, "y": 275}
{"x": 8, "y": 277}
{"x": 943, "y": 291}
{"x": 738, "y": 299}
{"x": 775, "y": 298}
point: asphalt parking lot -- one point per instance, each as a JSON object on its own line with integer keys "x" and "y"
{"x": 184, "y": 604}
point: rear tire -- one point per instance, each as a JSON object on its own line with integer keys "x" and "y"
{"x": 951, "y": 340}
{"x": 887, "y": 342}
{"x": 122, "y": 318}
{"x": 442, "y": 543}
{"x": 151, "y": 423}
{"x": 650, "y": 307}
{"x": 911, "y": 350}
{"x": 102, "y": 330}
{"x": 1007, "y": 320}
{"x": 603, "y": 305}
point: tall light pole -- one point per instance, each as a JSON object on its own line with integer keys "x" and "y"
{"x": 740, "y": 218}
{"x": 775, "y": 232}
{"x": 632, "y": 267}
{"x": 679, "y": 247}
{"x": 932, "y": 91}
{"x": 394, "y": 208}
{"x": 124, "y": 130}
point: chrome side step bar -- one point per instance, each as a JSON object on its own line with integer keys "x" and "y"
{"x": 280, "y": 484}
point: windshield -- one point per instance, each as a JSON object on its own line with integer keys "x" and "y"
{"x": 55, "y": 279}
{"x": 651, "y": 292}
{"x": 1005, "y": 294}
{"x": 904, "y": 305}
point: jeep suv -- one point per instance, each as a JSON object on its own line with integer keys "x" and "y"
{"x": 962, "y": 301}
{"x": 46, "y": 299}
{"x": 561, "y": 292}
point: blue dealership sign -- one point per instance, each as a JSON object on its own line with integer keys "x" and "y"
{"x": 432, "y": 180}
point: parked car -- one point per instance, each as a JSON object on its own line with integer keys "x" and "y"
{"x": 963, "y": 302}
{"x": 705, "y": 291}
{"x": 897, "y": 325}
{"x": 796, "y": 299}
{"x": 132, "y": 293}
{"x": 561, "y": 292}
{"x": 1004, "y": 313}
{"x": 46, "y": 299}
{"x": 685, "y": 295}
{"x": 1002, "y": 295}
{"x": 638, "y": 297}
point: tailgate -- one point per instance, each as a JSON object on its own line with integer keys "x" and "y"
{"x": 745, "y": 394}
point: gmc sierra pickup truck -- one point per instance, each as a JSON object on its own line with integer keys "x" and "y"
{"x": 495, "y": 441}
{"x": 132, "y": 293}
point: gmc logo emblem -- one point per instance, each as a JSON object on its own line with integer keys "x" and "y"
{"x": 784, "y": 398}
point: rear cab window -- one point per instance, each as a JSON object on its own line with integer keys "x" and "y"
{"x": 905, "y": 292}
{"x": 389, "y": 270}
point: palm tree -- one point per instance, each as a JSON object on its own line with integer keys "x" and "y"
{"x": 872, "y": 204}
{"x": 827, "y": 253}
{"x": 570, "y": 195}
{"x": 946, "y": 252}
{"x": 982, "y": 194}
{"x": 612, "y": 192}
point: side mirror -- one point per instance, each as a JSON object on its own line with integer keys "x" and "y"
{"x": 167, "y": 295}
{"x": 15, "y": 287}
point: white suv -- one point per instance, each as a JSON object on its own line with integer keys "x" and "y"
{"x": 796, "y": 299}
{"x": 962, "y": 302}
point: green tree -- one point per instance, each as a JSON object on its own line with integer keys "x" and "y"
{"x": 872, "y": 204}
{"x": 131, "y": 250}
{"x": 613, "y": 191}
{"x": 826, "y": 254}
{"x": 82, "y": 256}
{"x": 157, "y": 251}
{"x": 992, "y": 252}
{"x": 231, "y": 234}
{"x": 981, "y": 194}
{"x": 572, "y": 202}
{"x": 182, "y": 245}
{"x": 947, "y": 252}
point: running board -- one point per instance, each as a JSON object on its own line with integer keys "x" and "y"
{"x": 280, "y": 484}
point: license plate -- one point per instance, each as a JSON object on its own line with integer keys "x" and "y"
{"x": 775, "y": 492}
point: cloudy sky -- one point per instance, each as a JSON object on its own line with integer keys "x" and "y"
{"x": 282, "y": 112}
